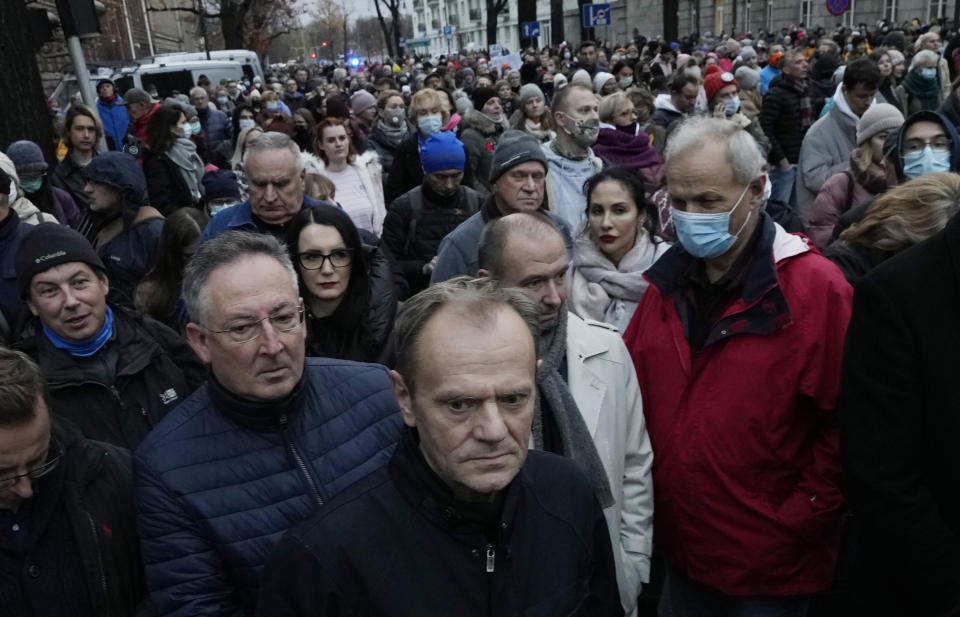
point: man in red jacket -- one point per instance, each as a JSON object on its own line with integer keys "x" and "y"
{"x": 737, "y": 345}
{"x": 140, "y": 107}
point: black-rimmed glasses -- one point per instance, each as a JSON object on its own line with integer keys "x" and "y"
{"x": 313, "y": 260}
{"x": 39, "y": 471}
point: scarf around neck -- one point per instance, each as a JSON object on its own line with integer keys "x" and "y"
{"x": 577, "y": 443}
{"x": 926, "y": 90}
{"x": 183, "y": 153}
{"x": 393, "y": 135}
{"x": 86, "y": 348}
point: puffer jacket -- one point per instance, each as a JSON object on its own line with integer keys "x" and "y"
{"x": 216, "y": 126}
{"x": 844, "y": 191}
{"x": 128, "y": 243}
{"x": 115, "y": 120}
{"x": 92, "y": 488}
{"x": 400, "y": 544}
{"x": 746, "y": 475}
{"x": 215, "y": 492}
{"x": 781, "y": 120}
{"x": 439, "y": 217}
{"x": 825, "y": 152}
{"x": 155, "y": 371}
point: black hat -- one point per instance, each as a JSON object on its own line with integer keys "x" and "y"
{"x": 221, "y": 184}
{"x": 48, "y": 245}
{"x": 4, "y": 183}
{"x": 480, "y": 97}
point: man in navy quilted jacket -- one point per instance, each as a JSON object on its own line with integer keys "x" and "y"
{"x": 262, "y": 445}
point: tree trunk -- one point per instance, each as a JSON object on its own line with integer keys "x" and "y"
{"x": 556, "y": 22}
{"x": 387, "y": 39}
{"x": 233, "y": 19}
{"x": 25, "y": 114}
{"x": 526, "y": 11}
{"x": 492, "y": 21}
{"x": 397, "y": 20}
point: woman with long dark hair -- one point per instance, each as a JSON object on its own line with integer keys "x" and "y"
{"x": 158, "y": 294}
{"x": 346, "y": 285}
{"x": 173, "y": 169}
{"x": 613, "y": 247}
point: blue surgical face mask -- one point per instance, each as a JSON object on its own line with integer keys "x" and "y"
{"x": 273, "y": 106}
{"x": 707, "y": 235}
{"x": 246, "y": 123}
{"x": 927, "y": 161}
{"x": 732, "y": 105}
{"x": 929, "y": 73}
{"x": 430, "y": 124}
{"x": 222, "y": 100}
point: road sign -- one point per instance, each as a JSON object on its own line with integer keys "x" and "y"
{"x": 596, "y": 15}
{"x": 531, "y": 29}
{"x": 838, "y": 7}
{"x": 403, "y": 41}
{"x": 448, "y": 31}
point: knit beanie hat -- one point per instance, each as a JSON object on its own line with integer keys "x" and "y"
{"x": 362, "y": 101}
{"x": 715, "y": 81}
{"x": 529, "y": 92}
{"x": 600, "y": 79}
{"x": 682, "y": 60}
{"x": 748, "y": 53}
{"x": 581, "y": 77}
{"x": 27, "y": 157}
{"x": 221, "y": 184}
{"x": 710, "y": 70}
{"x": 878, "y": 118}
{"x": 48, "y": 245}
{"x": 559, "y": 82}
{"x": 480, "y": 96}
{"x": 337, "y": 106}
{"x": 747, "y": 77}
{"x": 896, "y": 56}
{"x": 442, "y": 151}
{"x": 515, "y": 148}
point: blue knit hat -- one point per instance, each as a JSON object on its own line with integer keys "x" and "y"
{"x": 442, "y": 151}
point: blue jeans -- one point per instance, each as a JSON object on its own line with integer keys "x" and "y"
{"x": 783, "y": 183}
{"x": 684, "y": 597}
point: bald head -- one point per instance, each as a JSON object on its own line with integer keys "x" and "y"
{"x": 529, "y": 228}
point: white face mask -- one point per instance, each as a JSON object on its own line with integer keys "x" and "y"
{"x": 246, "y": 123}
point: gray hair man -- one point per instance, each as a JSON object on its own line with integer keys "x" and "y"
{"x": 475, "y": 524}
{"x": 269, "y": 439}
{"x": 216, "y": 124}
{"x": 69, "y": 543}
{"x": 518, "y": 177}
{"x": 739, "y": 341}
{"x": 590, "y": 405}
{"x": 275, "y": 175}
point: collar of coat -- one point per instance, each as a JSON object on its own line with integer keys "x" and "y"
{"x": 761, "y": 307}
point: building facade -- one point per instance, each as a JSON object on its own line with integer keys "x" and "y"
{"x": 467, "y": 19}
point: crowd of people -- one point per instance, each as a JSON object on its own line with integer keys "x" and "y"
{"x": 660, "y": 328}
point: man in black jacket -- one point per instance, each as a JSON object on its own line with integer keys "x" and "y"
{"x": 786, "y": 115}
{"x": 464, "y": 521}
{"x": 111, "y": 373}
{"x": 420, "y": 218}
{"x": 900, "y": 431}
{"x": 68, "y": 538}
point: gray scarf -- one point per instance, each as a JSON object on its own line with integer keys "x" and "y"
{"x": 577, "y": 443}
{"x": 184, "y": 154}
{"x": 393, "y": 135}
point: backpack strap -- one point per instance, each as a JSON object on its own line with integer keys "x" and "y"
{"x": 416, "y": 211}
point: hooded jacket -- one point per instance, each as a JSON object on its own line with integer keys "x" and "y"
{"x": 747, "y": 466}
{"x": 115, "y": 119}
{"x": 825, "y": 151}
{"x": 564, "y": 184}
{"x": 896, "y": 155}
{"x": 128, "y": 242}
{"x": 665, "y": 112}
{"x": 25, "y": 209}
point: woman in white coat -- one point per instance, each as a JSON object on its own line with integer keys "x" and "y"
{"x": 614, "y": 246}
{"x": 357, "y": 177}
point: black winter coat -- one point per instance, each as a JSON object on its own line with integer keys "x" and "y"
{"x": 155, "y": 370}
{"x": 407, "y": 171}
{"x": 854, "y": 260}
{"x": 166, "y": 187}
{"x": 780, "y": 119}
{"x": 439, "y": 217}
{"x": 399, "y": 545}
{"x": 91, "y": 491}
{"x": 372, "y": 341}
{"x": 900, "y": 429}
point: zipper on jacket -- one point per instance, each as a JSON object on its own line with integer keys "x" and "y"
{"x": 96, "y": 539}
{"x": 292, "y": 449}
{"x": 491, "y": 558}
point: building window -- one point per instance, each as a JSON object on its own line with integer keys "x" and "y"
{"x": 746, "y": 19}
{"x": 936, "y": 8}
{"x": 890, "y": 10}
{"x": 806, "y": 11}
{"x": 769, "y": 15}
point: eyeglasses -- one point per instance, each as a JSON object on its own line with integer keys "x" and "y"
{"x": 37, "y": 472}
{"x": 314, "y": 260}
{"x": 283, "y": 321}
{"x": 940, "y": 142}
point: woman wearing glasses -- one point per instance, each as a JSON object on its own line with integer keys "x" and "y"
{"x": 346, "y": 286}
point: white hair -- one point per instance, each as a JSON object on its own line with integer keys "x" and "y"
{"x": 744, "y": 154}
{"x": 925, "y": 57}
{"x": 272, "y": 140}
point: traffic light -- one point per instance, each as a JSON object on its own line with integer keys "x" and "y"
{"x": 314, "y": 55}
{"x": 324, "y": 44}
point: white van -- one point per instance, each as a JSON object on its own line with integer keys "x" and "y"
{"x": 249, "y": 60}
{"x": 179, "y": 76}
